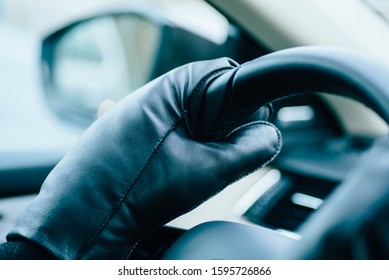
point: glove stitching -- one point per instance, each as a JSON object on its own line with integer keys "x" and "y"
{"x": 148, "y": 162}
{"x": 200, "y": 84}
{"x": 272, "y": 157}
{"x": 198, "y": 89}
{"x": 130, "y": 187}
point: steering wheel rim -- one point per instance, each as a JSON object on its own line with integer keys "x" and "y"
{"x": 302, "y": 70}
{"x": 262, "y": 81}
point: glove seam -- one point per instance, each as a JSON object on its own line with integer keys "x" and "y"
{"x": 198, "y": 86}
{"x": 195, "y": 90}
{"x": 272, "y": 157}
{"x": 129, "y": 189}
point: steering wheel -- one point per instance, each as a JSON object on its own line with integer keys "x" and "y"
{"x": 353, "y": 222}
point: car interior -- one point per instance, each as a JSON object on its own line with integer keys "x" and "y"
{"x": 328, "y": 94}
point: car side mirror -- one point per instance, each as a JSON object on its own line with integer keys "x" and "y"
{"x": 109, "y": 55}
{"x": 104, "y": 57}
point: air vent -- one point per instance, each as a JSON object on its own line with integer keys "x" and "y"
{"x": 289, "y": 203}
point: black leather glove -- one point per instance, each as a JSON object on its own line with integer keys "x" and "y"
{"x": 138, "y": 167}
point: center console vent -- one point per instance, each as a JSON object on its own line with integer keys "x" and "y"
{"x": 287, "y": 204}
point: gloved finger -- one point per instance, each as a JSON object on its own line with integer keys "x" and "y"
{"x": 244, "y": 150}
{"x": 264, "y": 113}
{"x": 233, "y": 120}
{"x": 248, "y": 148}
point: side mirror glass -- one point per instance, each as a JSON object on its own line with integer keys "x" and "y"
{"x": 104, "y": 58}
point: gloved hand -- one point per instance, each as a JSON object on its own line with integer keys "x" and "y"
{"x": 138, "y": 167}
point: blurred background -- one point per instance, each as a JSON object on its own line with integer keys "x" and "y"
{"x": 43, "y": 15}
